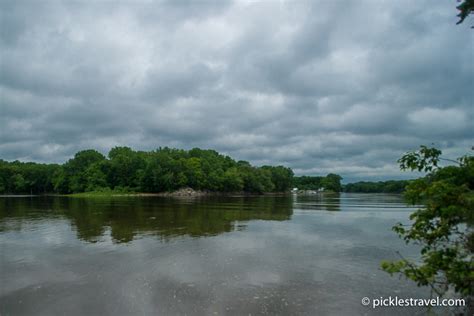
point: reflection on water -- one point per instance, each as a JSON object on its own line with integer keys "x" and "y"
{"x": 298, "y": 255}
{"x": 352, "y": 202}
{"x": 128, "y": 217}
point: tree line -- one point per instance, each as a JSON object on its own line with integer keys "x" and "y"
{"x": 331, "y": 182}
{"x": 165, "y": 170}
{"x": 127, "y": 170}
{"x": 391, "y": 186}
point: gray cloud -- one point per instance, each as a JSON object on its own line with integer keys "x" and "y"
{"x": 320, "y": 86}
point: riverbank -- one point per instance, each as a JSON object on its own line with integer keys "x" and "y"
{"x": 184, "y": 192}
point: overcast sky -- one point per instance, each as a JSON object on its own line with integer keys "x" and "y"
{"x": 319, "y": 86}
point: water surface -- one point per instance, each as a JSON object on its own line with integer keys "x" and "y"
{"x": 304, "y": 255}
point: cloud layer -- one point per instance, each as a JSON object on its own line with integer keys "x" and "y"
{"x": 319, "y": 86}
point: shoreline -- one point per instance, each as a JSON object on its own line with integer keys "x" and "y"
{"x": 185, "y": 192}
{"x": 181, "y": 193}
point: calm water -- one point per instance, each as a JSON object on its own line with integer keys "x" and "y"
{"x": 305, "y": 255}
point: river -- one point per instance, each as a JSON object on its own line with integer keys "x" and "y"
{"x": 287, "y": 255}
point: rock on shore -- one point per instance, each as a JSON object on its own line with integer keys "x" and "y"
{"x": 186, "y": 192}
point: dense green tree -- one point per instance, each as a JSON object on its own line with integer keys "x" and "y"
{"x": 83, "y": 159}
{"x": 20, "y": 177}
{"x": 281, "y": 177}
{"x": 75, "y": 170}
{"x": 307, "y": 182}
{"x": 390, "y": 186}
{"x": 19, "y": 183}
{"x": 232, "y": 180}
{"x": 443, "y": 227}
{"x": 332, "y": 182}
{"x": 124, "y": 167}
{"x": 193, "y": 172}
{"x": 256, "y": 179}
{"x": 164, "y": 169}
{"x": 95, "y": 177}
{"x": 150, "y": 177}
{"x": 60, "y": 181}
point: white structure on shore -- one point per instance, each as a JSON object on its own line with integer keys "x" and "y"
{"x": 297, "y": 191}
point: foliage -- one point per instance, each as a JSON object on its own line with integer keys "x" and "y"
{"x": 331, "y": 182}
{"x": 426, "y": 159}
{"x": 29, "y": 177}
{"x": 281, "y": 177}
{"x": 443, "y": 227}
{"x": 307, "y": 182}
{"x": 391, "y": 186}
{"x": 126, "y": 170}
{"x": 465, "y": 8}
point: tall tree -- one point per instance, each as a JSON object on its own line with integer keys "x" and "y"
{"x": 443, "y": 227}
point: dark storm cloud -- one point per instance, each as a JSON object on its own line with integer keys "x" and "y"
{"x": 320, "y": 86}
